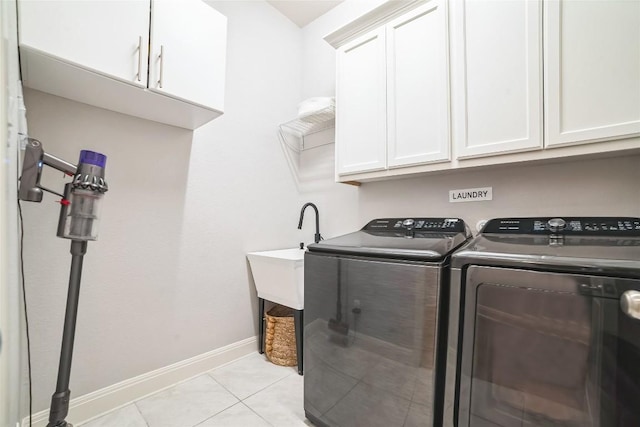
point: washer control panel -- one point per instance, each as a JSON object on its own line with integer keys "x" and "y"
{"x": 453, "y": 225}
{"x": 602, "y": 226}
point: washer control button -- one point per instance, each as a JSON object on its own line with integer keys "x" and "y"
{"x": 408, "y": 223}
{"x": 556, "y": 224}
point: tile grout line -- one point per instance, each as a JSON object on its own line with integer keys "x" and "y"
{"x": 135, "y": 404}
{"x": 251, "y": 409}
{"x": 210, "y": 373}
{"x": 263, "y": 389}
{"x": 217, "y": 413}
{"x": 276, "y": 382}
{"x": 241, "y": 401}
{"x": 182, "y": 382}
{"x": 222, "y": 385}
{"x": 223, "y": 409}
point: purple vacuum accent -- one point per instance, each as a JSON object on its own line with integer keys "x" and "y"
{"x": 93, "y": 158}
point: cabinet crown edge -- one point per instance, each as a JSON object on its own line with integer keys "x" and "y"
{"x": 370, "y": 20}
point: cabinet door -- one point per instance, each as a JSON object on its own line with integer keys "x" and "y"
{"x": 496, "y": 76}
{"x": 418, "y": 86}
{"x": 108, "y": 37}
{"x": 592, "y": 70}
{"x": 361, "y": 104}
{"x": 188, "y": 52}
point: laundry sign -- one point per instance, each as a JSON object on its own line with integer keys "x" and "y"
{"x": 471, "y": 194}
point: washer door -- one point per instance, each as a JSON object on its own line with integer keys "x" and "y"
{"x": 548, "y": 349}
{"x": 370, "y": 339}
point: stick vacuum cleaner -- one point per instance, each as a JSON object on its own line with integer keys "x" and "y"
{"x": 79, "y": 211}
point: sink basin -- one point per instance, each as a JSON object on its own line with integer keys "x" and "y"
{"x": 279, "y": 276}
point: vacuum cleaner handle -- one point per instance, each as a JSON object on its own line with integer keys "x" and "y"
{"x": 31, "y": 171}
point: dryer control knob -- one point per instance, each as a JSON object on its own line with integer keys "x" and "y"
{"x": 630, "y": 304}
{"x": 408, "y": 223}
{"x": 556, "y": 224}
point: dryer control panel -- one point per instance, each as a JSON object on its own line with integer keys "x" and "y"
{"x": 449, "y": 225}
{"x": 570, "y": 226}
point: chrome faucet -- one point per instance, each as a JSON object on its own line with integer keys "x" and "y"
{"x": 318, "y": 237}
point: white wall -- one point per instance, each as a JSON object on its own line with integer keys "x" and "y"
{"x": 168, "y": 278}
{"x": 130, "y": 275}
{"x": 588, "y": 187}
{"x": 579, "y": 187}
{"x": 10, "y": 320}
{"x": 318, "y": 58}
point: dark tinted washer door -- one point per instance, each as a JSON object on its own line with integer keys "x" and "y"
{"x": 370, "y": 341}
{"x": 548, "y": 349}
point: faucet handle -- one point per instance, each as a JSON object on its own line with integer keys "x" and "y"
{"x": 301, "y": 245}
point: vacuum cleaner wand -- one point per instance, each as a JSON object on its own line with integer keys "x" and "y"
{"x": 79, "y": 212}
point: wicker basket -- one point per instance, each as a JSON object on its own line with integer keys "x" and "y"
{"x": 280, "y": 339}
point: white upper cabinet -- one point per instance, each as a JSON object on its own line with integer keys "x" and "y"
{"x": 474, "y": 83}
{"x": 188, "y": 50}
{"x": 418, "y": 86}
{"x": 392, "y": 97}
{"x": 109, "y": 37}
{"x": 106, "y": 53}
{"x": 496, "y": 60}
{"x": 592, "y": 71}
{"x": 361, "y": 115}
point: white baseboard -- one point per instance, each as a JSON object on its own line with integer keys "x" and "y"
{"x": 92, "y": 405}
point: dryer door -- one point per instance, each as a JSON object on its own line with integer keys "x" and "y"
{"x": 548, "y": 349}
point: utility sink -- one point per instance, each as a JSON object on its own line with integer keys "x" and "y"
{"x": 279, "y": 276}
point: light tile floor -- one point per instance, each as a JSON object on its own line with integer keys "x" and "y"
{"x": 249, "y": 392}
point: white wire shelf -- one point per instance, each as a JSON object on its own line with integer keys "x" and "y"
{"x": 304, "y": 126}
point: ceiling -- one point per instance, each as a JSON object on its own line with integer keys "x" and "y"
{"x": 301, "y": 12}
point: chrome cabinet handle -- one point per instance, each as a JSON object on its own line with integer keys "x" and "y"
{"x": 139, "y": 76}
{"x": 630, "y": 304}
{"x": 161, "y": 57}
